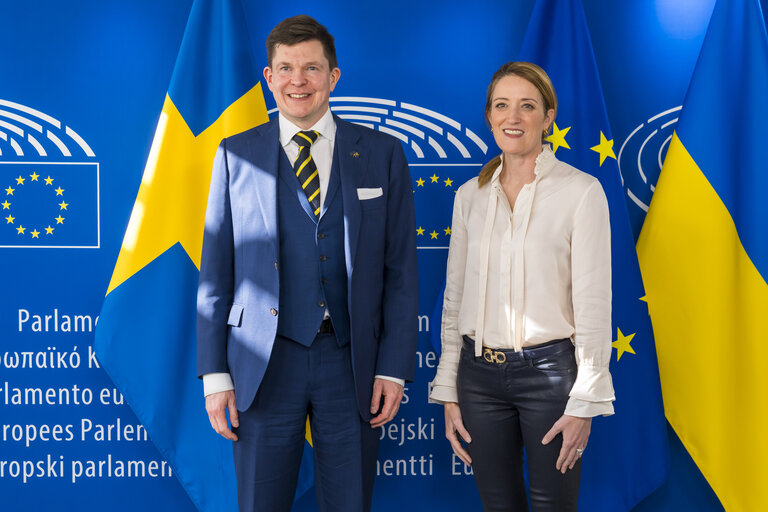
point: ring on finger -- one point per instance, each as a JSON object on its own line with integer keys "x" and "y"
{"x": 579, "y": 452}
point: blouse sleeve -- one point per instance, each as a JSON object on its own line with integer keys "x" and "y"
{"x": 592, "y": 393}
{"x": 444, "y": 385}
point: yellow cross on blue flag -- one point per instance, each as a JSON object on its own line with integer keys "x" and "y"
{"x": 628, "y": 455}
{"x": 145, "y": 339}
{"x": 704, "y": 256}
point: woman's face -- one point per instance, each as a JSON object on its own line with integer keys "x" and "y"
{"x": 517, "y": 116}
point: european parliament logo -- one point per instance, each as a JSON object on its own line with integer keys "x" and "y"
{"x": 49, "y": 183}
{"x": 442, "y": 154}
{"x": 641, "y": 156}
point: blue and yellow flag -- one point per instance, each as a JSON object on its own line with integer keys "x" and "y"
{"x": 704, "y": 256}
{"x": 146, "y": 334}
{"x": 628, "y": 456}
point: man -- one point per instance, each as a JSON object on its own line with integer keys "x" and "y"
{"x": 307, "y": 299}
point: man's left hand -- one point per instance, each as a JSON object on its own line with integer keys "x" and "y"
{"x": 392, "y": 394}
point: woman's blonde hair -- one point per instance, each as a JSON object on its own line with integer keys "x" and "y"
{"x": 536, "y": 76}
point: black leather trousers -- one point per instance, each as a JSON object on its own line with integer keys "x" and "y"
{"x": 510, "y": 406}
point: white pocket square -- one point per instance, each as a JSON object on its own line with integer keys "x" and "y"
{"x": 368, "y": 193}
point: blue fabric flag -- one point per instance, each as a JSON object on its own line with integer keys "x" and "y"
{"x": 627, "y": 457}
{"x": 704, "y": 257}
{"x": 145, "y": 339}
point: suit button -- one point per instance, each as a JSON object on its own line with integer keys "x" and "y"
{"x": 321, "y": 235}
{"x": 323, "y": 258}
{"x": 273, "y": 311}
{"x": 323, "y": 280}
{"x": 321, "y": 304}
{"x": 275, "y": 265}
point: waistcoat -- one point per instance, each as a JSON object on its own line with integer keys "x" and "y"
{"x": 312, "y": 267}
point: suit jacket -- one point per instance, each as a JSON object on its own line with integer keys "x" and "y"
{"x": 238, "y": 293}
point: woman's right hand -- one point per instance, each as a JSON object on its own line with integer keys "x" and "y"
{"x": 453, "y": 426}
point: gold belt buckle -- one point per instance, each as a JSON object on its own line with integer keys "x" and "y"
{"x": 494, "y": 356}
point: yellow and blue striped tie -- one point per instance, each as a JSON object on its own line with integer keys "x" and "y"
{"x": 306, "y": 170}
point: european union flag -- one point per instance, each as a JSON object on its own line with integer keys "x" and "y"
{"x": 49, "y": 204}
{"x": 146, "y": 334}
{"x": 628, "y": 456}
{"x": 704, "y": 256}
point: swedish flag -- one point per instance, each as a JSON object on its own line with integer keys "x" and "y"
{"x": 146, "y": 334}
{"x": 627, "y": 457}
{"x": 704, "y": 256}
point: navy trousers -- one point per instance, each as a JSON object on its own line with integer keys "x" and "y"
{"x": 300, "y": 381}
{"x": 509, "y": 407}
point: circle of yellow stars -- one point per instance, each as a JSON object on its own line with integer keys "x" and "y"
{"x": 21, "y": 182}
{"x": 420, "y": 231}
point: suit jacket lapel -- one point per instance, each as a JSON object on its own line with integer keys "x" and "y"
{"x": 352, "y": 160}
{"x": 333, "y": 181}
{"x": 264, "y": 155}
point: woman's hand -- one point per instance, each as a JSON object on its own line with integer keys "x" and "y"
{"x": 575, "y": 433}
{"x": 453, "y": 426}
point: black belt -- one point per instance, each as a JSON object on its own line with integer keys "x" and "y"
{"x": 506, "y": 355}
{"x": 326, "y": 327}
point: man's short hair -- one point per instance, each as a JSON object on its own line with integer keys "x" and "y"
{"x": 299, "y": 29}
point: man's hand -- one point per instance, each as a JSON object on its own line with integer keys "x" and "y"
{"x": 215, "y": 405}
{"x": 575, "y": 436}
{"x": 392, "y": 393}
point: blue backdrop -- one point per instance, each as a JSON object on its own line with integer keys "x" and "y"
{"x": 101, "y": 70}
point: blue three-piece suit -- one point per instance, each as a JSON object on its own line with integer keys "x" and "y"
{"x": 271, "y": 271}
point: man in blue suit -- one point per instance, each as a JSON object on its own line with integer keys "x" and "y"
{"x": 307, "y": 299}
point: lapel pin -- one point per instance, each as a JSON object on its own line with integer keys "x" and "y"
{"x": 355, "y": 155}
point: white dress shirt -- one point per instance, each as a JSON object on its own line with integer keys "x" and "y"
{"x": 524, "y": 276}
{"x": 321, "y": 150}
{"x": 322, "y": 154}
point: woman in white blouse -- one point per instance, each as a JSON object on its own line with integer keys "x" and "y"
{"x": 527, "y": 313}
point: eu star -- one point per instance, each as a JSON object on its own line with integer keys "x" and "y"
{"x": 434, "y": 178}
{"x": 20, "y": 230}
{"x": 622, "y": 344}
{"x": 9, "y": 191}
{"x": 48, "y": 180}
{"x": 433, "y": 235}
{"x": 34, "y": 176}
{"x": 558, "y": 137}
{"x": 59, "y": 191}
{"x": 448, "y": 182}
{"x": 59, "y": 220}
{"x": 419, "y": 182}
{"x": 420, "y": 230}
{"x": 6, "y": 205}
{"x": 49, "y": 230}
{"x": 9, "y": 219}
{"x": 35, "y": 234}
{"x": 447, "y": 230}
{"x": 19, "y": 180}
{"x": 605, "y": 148}
{"x": 63, "y": 205}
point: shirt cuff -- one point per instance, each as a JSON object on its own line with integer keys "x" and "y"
{"x": 392, "y": 379}
{"x": 593, "y": 384}
{"x": 216, "y": 383}
{"x": 584, "y": 409}
{"x": 442, "y": 394}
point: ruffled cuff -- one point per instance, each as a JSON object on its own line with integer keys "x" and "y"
{"x": 442, "y": 394}
{"x": 584, "y": 409}
{"x": 593, "y": 384}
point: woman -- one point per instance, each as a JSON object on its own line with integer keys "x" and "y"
{"x": 527, "y": 313}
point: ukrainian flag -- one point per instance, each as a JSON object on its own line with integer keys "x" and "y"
{"x": 145, "y": 339}
{"x": 704, "y": 256}
{"x": 627, "y": 457}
